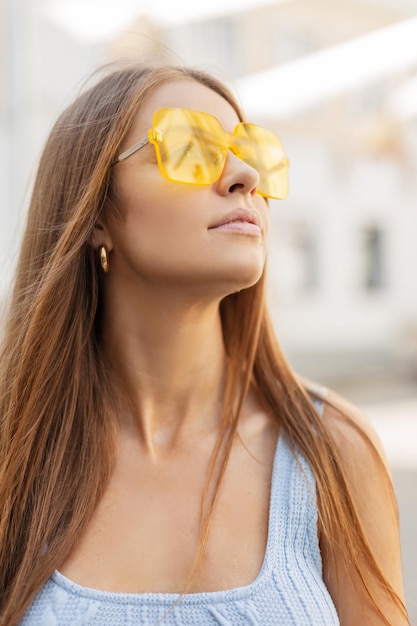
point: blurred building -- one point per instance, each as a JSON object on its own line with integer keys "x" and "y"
{"x": 342, "y": 250}
{"x": 342, "y": 246}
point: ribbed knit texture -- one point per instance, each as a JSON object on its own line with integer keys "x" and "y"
{"x": 289, "y": 590}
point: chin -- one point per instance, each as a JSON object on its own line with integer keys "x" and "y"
{"x": 247, "y": 269}
{"x": 243, "y": 278}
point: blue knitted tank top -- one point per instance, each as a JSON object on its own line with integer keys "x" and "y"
{"x": 288, "y": 591}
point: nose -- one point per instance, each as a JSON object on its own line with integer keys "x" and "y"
{"x": 237, "y": 176}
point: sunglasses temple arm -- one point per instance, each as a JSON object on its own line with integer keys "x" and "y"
{"x": 132, "y": 150}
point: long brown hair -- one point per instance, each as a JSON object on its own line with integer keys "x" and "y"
{"x": 58, "y": 415}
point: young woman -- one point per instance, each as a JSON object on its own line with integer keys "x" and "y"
{"x": 160, "y": 462}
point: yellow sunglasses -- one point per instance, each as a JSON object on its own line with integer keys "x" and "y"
{"x": 191, "y": 148}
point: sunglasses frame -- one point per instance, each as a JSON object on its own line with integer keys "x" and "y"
{"x": 155, "y": 135}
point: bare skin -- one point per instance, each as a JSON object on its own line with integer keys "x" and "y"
{"x": 169, "y": 269}
{"x": 170, "y": 266}
{"x": 374, "y": 503}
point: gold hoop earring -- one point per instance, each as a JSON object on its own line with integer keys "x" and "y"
{"x": 103, "y": 254}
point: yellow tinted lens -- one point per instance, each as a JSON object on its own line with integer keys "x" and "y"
{"x": 263, "y": 151}
{"x": 188, "y": 145}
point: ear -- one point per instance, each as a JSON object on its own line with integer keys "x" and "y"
{"x": 101, "y": 235}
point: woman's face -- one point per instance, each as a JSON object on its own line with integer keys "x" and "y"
{"x": 178, "y": 234}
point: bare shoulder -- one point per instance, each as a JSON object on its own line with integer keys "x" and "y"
{"x": 356, "y": 439}
{"x": 368, "y": 479}
{"x": 365, "y": 467}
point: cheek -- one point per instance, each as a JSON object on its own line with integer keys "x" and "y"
{"x": 159, "y": 228}
{"x": 160, "y": 218}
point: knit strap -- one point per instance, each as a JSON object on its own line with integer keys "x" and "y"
{"x": 293, "y": 508}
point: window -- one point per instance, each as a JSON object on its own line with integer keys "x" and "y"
{"x": 373, "y": 254}
{"x": 296, "y": 260}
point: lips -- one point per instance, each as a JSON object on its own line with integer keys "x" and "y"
{"x": 243, "y": 216}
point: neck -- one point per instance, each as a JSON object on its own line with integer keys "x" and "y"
{"x": 168, "y": 356}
